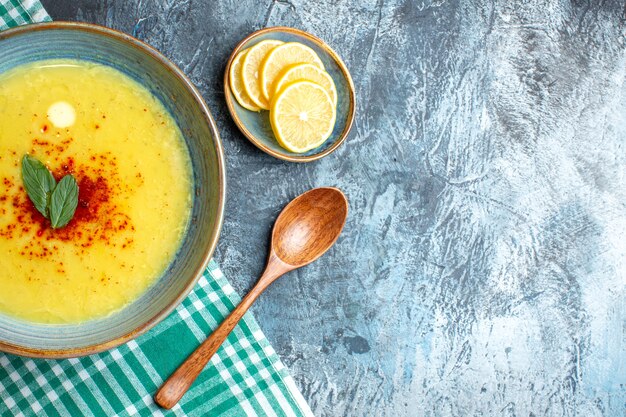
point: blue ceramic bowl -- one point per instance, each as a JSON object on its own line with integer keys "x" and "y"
{"x": 256, "y": 125}
{"x": 151, "y": 69}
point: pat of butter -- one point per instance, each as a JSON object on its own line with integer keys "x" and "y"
{"x": 61, "y": 114}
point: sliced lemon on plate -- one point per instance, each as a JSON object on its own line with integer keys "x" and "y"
{"x": 302, "y": 116}
{"x": 307, "y": 72}
{"x": 250, "y": 71}
{"x": 236, "y": 83}
{"x": 281, "y": 57}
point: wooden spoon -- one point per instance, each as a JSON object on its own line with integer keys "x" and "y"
{"x": 306, "y": 228}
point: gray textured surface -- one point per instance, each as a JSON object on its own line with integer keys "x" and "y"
{"x": 483, "y": 267}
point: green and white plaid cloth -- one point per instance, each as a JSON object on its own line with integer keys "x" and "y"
{"x": 20, "y": 12}
{"x": 244, "y": 378}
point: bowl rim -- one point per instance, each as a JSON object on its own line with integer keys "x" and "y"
{"x": 197, "y": 96}
{"x": 259, "y": 144}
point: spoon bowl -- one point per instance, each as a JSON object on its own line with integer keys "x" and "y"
{"x": 306, "y": 228}
{"x": 309, "y": 225}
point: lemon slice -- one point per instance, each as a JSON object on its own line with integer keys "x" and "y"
{"x": 250, "y": 71}
{"x": 307, "y": 72}
{"x": 236, "y": 83}
{"x": 302, "y": 116}
{"x": 281, "y": 57}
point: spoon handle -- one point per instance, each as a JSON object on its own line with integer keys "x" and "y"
{"x": 179, "y": 382}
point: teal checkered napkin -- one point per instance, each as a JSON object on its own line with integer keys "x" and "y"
{"x": 244, "y": 378}
{"x": 20, "y": 12}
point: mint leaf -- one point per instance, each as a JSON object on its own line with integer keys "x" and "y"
{"x": 57, "y": 202}
{"x": 38, "y": 182}
{"x": 63, "y": 202}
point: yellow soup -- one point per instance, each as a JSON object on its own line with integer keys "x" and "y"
{"x": 134, "y": 177}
